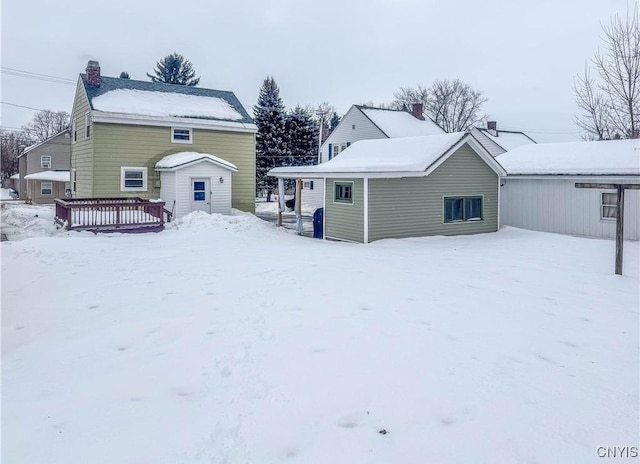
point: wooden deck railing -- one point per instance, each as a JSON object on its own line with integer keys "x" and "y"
{"x": 111, "y": 214}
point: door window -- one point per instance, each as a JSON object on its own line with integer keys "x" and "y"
{"x": 199, "y": 191}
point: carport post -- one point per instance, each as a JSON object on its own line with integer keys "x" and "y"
{"x": 299, "y": 227}
{"x": 280, "y": 199}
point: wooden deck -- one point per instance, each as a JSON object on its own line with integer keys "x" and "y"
{"x": 129, "y": 215}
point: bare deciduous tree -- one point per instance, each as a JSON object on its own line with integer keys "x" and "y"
{"x": 12, "y": 143}
{"x": 610, "y": 104}
{"x": 46, "y": 124}
{"x": 452, "y": 105}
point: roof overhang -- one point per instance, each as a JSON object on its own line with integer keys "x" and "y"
{"x": 569, "y": 176}
{"x": 53, "y": 176}
{"x": 197, "y": 161}
{"x": 171, "y": 121}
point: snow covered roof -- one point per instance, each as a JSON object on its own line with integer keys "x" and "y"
{"x": 157, "y": 99}
{"x": 54, "y": 176}
{"x": 15, "y": 176}
{"x": 397, "y": 123}
{"x": 187, "y": 158}
{"x": 507, "y": 140}
{"x": 612, "y": 157}
{"x": 388, "y": 156}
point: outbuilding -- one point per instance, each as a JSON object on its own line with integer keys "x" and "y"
{"x": 406, "y": 187}
{"x": 539, "y": 191}
{"x": 191, "y": 181}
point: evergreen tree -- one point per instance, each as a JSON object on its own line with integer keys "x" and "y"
{"x": 124, "y": 75}
{"x": 175, "y": 69}
{"x": 302, "y": 133}
{"x": 271, "y": 139}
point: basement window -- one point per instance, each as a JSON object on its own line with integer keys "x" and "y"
{"x": 181, "y": 135}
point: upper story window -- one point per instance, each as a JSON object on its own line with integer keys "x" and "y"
{"x": 74, "y": 131}
{"x": 133, "y": 179}
{"x": 45, "y": 161}
{"x": 87, "y": 125}
{"x": 181, "y": 135}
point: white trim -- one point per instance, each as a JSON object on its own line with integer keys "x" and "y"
{"x": 196, "y": 161}
{"x": 42, "y": 166}
{"x": 352, "y": 193}
{"x": 366, "y": 210}
{"x": 42, "y": 184}
{"x": 632, "y": 178}
{"x": 173, "y": 136}
{"x": 499, "y": 206}
{"x": 122, "y": 118}
{"x": 144, "y": 187}
{"x": 324, "y": 210}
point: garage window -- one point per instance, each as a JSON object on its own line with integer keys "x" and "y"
{"x": 343, "y": 192}
{"x": 462, "y": 209}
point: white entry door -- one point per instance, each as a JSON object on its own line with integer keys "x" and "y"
{"x": 200, "y": 195}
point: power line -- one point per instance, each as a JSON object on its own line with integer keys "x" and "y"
{"x": 37, "y": 76}
{"x": 22, "y": 106}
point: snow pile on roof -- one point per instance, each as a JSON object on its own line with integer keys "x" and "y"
{"x": 508, "y": 140}
{"x": 164, "y": 104}
{"x": 579, "y": 158}
{"x": 408, "y": 154}
{"x": 20, "y": 221}
{"x": 186, "y": 157}
{"x": 400, "y": 123}
{"x": 54, "y": 176}
{"x": 15, "y": 176}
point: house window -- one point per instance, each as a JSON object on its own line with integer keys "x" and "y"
{"x": 343, "y": 192}
{"x": 462, "y": 209}
{"x": 87, "y": 125}
{"x": 608, "y": 205}
{"x": 180, "y": 135}
{"x": 46, "y": 188}
{"x": 74, "y": 131}
{"x": 353, "y": 127}
{"x": 75, "y": 180}
{"x": 133, "y": 179}
{"x": 307, "y": 185}
{"x": 45, "y": 161}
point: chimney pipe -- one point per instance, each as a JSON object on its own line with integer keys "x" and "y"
{"x": 417, "y": 111}
{"x": 492, "y": 127}
{"x": 93, "y": 74}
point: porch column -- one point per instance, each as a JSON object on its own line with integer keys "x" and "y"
{"x": 299, "y": 227}
{"x": 281, "y": 200}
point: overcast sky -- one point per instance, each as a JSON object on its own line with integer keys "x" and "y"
{"x": 522, "y": 54}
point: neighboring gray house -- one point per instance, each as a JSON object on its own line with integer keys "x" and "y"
{"x": 497, "y": 141}
{"x": 539, "y": 190}
{"x": 444, "y": 184}
{"x": 44, "y": 169}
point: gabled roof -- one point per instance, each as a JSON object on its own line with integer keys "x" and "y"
{"x": 397, "y": 157}
{"x": 188, "y": 158}
{"x": 157, "y": 99}
{"x": 399, "y": 123}
{"x": 507, "y": 140}
{"x": 612, "y": 157}
{"x": 36, "y": 145}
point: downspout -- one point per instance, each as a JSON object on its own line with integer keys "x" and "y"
{"x": 366, "y": 210}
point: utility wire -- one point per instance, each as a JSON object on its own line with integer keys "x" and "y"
{"x": 37, "y": 76}
{"x": 22, "y": 106}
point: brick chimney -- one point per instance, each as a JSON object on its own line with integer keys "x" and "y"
{"x": 93, "y": 74}
{"x": 492, "y": 127}
{"x": 417, "y": 111}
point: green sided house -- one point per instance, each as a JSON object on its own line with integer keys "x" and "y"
{"x": 407, "y": 187}
{"x": 122, "y": 128}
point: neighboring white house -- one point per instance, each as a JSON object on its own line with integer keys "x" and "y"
{"x": 539, "y": 190}
{"x": 497, "y": 141}
{"x": 193, "y": 181}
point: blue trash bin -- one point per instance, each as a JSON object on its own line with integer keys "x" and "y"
{"x": 317, "y": 222}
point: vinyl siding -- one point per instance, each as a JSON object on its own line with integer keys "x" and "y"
{"x": 82, "y": 150}
{"x": 555, "y": 205}
{"x": 118, "y": 145}
{"x": 313, "y": 198}
{"x": 345, "y": 221}
{"x": 220, "y": 192}
{"x": 414, "y": 206}
{"x": 35, "y": 195}
{"x": 344, "y": 133}
{"x": 168, "y": 193}
{"x": 59, "y": 150}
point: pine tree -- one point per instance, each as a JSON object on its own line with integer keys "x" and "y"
{"x": 175, "y": 69}
{"x": 124, "y": 75}
{"x": 271, "y": 140}
{"x": 302, "y": 132}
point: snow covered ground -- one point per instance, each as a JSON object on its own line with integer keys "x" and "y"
{"x": 226, "y": 340}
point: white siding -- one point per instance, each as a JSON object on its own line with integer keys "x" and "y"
{"x": 313, "y": 199}
{"x": 168, "y": 191}
{"x": 220, "y": 191}
{"x": 344, "y": 133}
{"x": 555, "y": 205}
